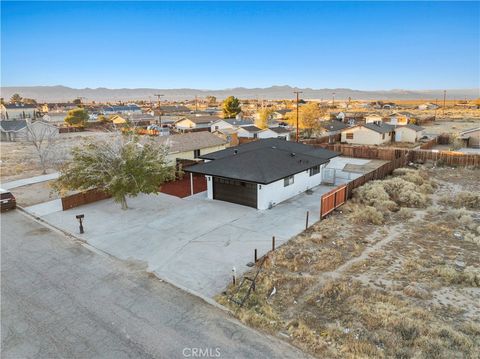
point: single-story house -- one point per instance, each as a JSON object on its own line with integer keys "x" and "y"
{"x": 471, "y": 137}
{"x": 248, "y": 131}
{"x": 373, "y": 117}
{"x": 400, "y": 118}
{"x": 332, "y": 128}
{"x": 408, "y": 133}
{"x": 275, "y": 132}
{"x": 118, "y": 120}
{"x": 375, "y": 133}
{"x": 127, "y": 109}
{"x": 231, "y": 123}
{"x": 174, "y": 109}
{"x": 16, "y": 130}
{"x": 263, "y": 173}
{"x": 17, "y": 111}
{"x": 196, "y": 123}
{"x": 191, "y": 145}
{"x": 55, "y": 117}
{"x": 428, "y": 106}
{"x": 279, "y": 114}
{"x": 229, "y": 135}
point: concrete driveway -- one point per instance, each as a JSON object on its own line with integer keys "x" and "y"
{"x": 192, "y": 242}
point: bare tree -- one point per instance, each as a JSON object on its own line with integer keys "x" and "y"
{"x": 43, "y": 137}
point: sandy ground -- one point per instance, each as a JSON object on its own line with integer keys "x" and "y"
{"x": 408, "y": 287}
{"x": 20, "y": 159}
{"x": 34, "y": 194}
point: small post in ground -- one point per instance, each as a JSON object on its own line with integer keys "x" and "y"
{"x": 306, "y": 222}
{"x": 273, "y": 243}
{"x": 234, "y": 276}
{"x": 255, "y": 256}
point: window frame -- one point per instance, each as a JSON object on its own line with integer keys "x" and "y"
{"x": 313, "y": 171}
{"x": 288, "y": 181}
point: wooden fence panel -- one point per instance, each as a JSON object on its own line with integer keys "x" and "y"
{"x": 332, "y": 200}
{"x": 81, "y": 198}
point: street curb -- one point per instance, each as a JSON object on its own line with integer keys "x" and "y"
{"x": 84, "y": 243}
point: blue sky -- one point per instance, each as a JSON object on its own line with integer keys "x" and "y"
{"x": 360, "y": 45}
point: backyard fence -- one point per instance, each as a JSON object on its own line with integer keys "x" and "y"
{"x": 448, "y": 158}
{"x": 339, "y": 195}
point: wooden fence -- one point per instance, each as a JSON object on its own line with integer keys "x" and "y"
{"x": 448, "y": 158}
{"x": 339, "y": 195}
{"x": 82, "y": 198}
{"x": 332, "y": 200}
{"x": 429, "y": 145}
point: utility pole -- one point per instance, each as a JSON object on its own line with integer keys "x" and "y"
{"x": 333, "y": 99}
{"x": 159, "y": 113}
{"x": 444, "y": 98}
{"x": 436, "y": 106}
{"x": 297, "y": 93}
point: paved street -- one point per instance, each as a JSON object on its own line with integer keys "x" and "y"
{"x": 59, "y": 299}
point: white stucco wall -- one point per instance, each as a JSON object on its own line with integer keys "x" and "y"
{"x": 220, "y": 125}
{"x": 209, "y": 187}
{"x": 245, "y": 134}
{"x": 275, "y": 192}
{"x": 365, "y": 136}
{"x": 405, "y": 134}
{"x": 267, "y": 133}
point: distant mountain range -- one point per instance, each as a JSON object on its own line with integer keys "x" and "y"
{"x": 63, "y": 94}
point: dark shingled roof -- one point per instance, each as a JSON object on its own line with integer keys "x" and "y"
{"x": 379, "y": 127}
{"x": 413, "y": 127}
{"x": 251, "y": 128}
{"x": 333, "y": 125}
{"x": 263, "y": 161}
{"x": 19, "y": 106}
{"x": 279, "y": 129}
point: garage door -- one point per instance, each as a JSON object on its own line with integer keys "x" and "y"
{"x": 244, "y": 193}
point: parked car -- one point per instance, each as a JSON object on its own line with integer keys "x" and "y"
{"x": 7, "y": 200}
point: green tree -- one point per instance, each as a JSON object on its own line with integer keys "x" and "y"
{"x": 231, "y": 107}
{"x": 77, "y": 101}
{"x": 77, "y": 117}
{"x": 16, "y": 98}
{"x": 120, "y": 166}
{"x": 263, "y": 117}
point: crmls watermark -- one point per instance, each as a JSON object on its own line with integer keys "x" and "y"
{"x": 201, "y": 352}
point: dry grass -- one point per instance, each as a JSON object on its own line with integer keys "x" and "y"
{"x": 415, "y": 296}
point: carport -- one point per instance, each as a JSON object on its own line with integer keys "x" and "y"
{"x": 240, "y": 192}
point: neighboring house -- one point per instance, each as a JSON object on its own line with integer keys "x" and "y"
{"x": 373, "y": 117}
{"x": 174, "y": 109}
{"x": 118, "y": 120}
{"x": 279, "y": 115}
{"x": 141, "y": 119}
{"x": 16, "y": 130}
{"x": 192, "y": 145}
{"x": 127, "y": 109}
{"x": 231, "y": 123}
{"x": 248, "y": 131}
{"x": 55, "y": 117}
{"x": 332, "y": 128}
{"x": 275, "y": 132}
{"x": 17, "y": 111}
{"x": 58, "y": 107}
{"x": 428, "y": 106}
{"x": 369, "y": 134}
{"x": 471, "y": 137}
{"x": 400, "y": 118}
{"x": 408, "y": 133}
{"x": 263, "y": 173}
{"x": 196, "y": 123}
{"x": 229, "y": 135}
{"x": 169, "y": 120}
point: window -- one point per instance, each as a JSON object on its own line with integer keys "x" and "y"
{"x": 383, "y": 136}
{"x": 196, "y": 153}
{"x": 314, "y": 170}
{"x": 254, "y": 135}
{"x": 349, "y": 135}
{"x": 287, "y": 181}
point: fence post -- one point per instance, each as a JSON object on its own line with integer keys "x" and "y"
{"x": 234, "y": 276}
{"x": 255, "y": 256}
{"x": 306, "y": 222}
{"x": 273, "y": 243}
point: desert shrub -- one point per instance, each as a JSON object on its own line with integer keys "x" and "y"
{"x": 405, "y": 213}
{"x": 374, "y": 194}
{"x": 368, "y": 214}
{"x": 410, "y": 175}
{"x": 469, "y": 200}
{"x": 404, "y": 193}
{"x": 469, "y": 277}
